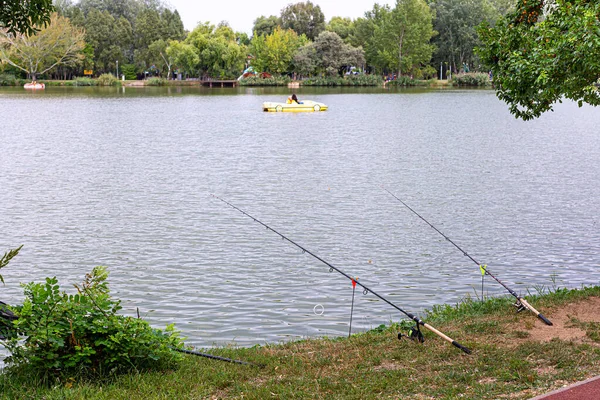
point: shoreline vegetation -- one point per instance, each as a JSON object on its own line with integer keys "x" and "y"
{"x": 514, "y": 356}
{"x": 472, "y": 79}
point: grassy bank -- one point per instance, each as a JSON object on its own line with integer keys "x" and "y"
{"x": 514, "y": 356}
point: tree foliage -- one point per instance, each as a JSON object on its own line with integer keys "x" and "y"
{"x": 304, "y": 18}
{"x": 123, "y": 30}
{"x": 456, "y": 22}
{"x": 344, "y": 27}
{"x": 25, "y": 16}
{"x": 274, "y": 53}
{"x": 218, "y": 50}
{"x": 111, "y": 39}
{"x": 544, "y": 51}
{"x": 265, "y": 25}
{"x": 184, "y": 57}
{"x": 328, "y": 54}
{"x": 59, "y": 43}
{"x": 127, "y": 9}
{"x": 397, "y": 39}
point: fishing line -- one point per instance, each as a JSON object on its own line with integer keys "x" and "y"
{"x": 366, "y": 290}
{"x": 521, "y": 303}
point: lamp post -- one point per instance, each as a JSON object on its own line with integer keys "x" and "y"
{"x": 117, "y": 69}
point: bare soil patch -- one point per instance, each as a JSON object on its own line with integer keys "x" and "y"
{"x": 587, "y": 310}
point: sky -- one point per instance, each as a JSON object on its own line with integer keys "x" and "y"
{"x": 241, "y": 14}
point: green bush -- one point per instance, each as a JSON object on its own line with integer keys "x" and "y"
{"x": 60, "y": 335}
{"x": 427, "y": 72}
{"x": 348, "y": 80}
{"x": 7, "y": 80}
{"x": 273, "y": 81}
{"x": 83, "y": 81}
{"x": 155, "y": 81}
{"x": 129, "y": 72}
{"x": 403, "y": 80}
{"x": 472, "y": 79}
{"x": 107, "y": 80}
{"x": 52, "y": 83}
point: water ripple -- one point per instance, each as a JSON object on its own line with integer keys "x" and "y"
{"x": 124, "y": 180}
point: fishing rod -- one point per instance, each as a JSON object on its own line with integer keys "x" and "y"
{"x": 213, "y": 357}
{"x": 417, "y": 335}
{"x": 521, "y": 303}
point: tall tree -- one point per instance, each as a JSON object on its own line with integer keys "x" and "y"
{"x": 173, "y": 25}
{"x": 402, "y": 39}
{"x": 344, "y": 27}
{"x": 148, "y": 28}
{"x": 363, "y": 35}
{"x": 544, "y": 51}
{"x": 184, "y": 56}
{"x": 265, "y": 25}
{"x": 59, "y": 43}
{"x": 328, "y": 54}
{"x": 304, "y": 18}
{"x": 456, "y": 22}
{"x": 157, "y": 56}
{"x": 127, "y": 9}
{"x": 274, "y": 53}
{"x": 18, "y": 16}
{"x": 111, "y": 39}
{"x": 218, "y": 49}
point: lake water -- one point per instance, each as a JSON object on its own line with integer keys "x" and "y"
{"x": 123, "y": 177}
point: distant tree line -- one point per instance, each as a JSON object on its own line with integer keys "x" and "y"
{"x": 147, "y": 38}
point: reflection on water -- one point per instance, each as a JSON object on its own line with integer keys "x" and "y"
{"x": 122, "y": 177}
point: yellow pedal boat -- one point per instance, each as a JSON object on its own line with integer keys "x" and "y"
{"x": 303, "y": 106}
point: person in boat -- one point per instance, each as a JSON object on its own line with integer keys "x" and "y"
{"x": 293, "y": 99}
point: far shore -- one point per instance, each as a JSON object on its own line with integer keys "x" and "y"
{"x": 228, "y": 83}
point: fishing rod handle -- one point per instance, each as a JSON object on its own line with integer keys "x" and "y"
{"x": 447, "y": 338}
{"x": 536, "y": 312}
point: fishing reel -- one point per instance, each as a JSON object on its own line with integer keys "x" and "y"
{"x": 414, "y": 333}
{"x": 519, "y": 306}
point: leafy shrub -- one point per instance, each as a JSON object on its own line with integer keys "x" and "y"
{"x": 403, "y": 80}
{"x": 472, "y": 79}
{"x": 273, "y": 81}
{"x": 427, "y": 72}
{"x": 364, "y": 80}
{"x": 129, "y": 72}
{"x": 107, "y": 80}
{"x": 155, "y": 81}
{"x": 7, "y": 80}
{"x": 348, "y": 80}
{"x": 321, "y": 81}
{"x": 52, "y": 82}
{"x": 72, "y": 334}
{"x": 82, "y": 81}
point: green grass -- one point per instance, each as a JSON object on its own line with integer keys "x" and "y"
{"x": 506, "y": 362}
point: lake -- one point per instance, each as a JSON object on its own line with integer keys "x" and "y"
{"x": 122, "y": 177}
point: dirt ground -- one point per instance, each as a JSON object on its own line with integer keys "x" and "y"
{"x": 563, "y": 328}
